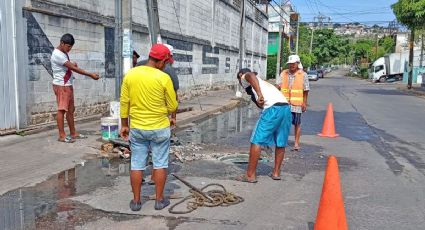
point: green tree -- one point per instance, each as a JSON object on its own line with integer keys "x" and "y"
{"x": 272, "y": 60}
{"x": 410, "y": 13}
{"x": 387, "y": 44}
{"x": 329, "y": 48}
{"x": 363, "y": 49}
{"x": 327, "y": 45}
{"x": 307, "y": 59}
{"x": 271, "y": 66}
{"x": 304, "y": 40}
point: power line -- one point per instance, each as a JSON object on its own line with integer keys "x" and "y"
{"x": 283, "y": 10}
{"x": 354, "y": 12}
{"x": 309, "y": 6}
{"x": 278, "y": 13}
{"x": 317, "y": 7}
{"x": 334, "y": 10}
{"x": 361, "y": 22}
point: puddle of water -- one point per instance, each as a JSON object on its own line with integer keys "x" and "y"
{"x": 232, "y": 128}
{"x": 46, "y": 202}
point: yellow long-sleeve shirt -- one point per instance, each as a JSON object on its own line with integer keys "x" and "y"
{"x": 147, "y": 97}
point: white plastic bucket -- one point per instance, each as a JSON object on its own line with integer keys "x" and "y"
{"x": 114, "y": 109}
{"x": 109, "y": 128}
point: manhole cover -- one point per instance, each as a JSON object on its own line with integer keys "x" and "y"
{"x": 240, "y": 159}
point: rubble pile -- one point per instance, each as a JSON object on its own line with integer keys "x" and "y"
{"x": 110, "y": 150}
{"x": 192, "y": 152}
{"x": 182, "y": 153}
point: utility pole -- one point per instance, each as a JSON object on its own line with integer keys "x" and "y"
{"x": 241, "y": 35}
{"x": 153, "y": 21}
{"x": 422, "y": 51}
{"x": 376, "y": 46}
{"x": 241, "y": 42}
{"x": 298, "y": 33}
{"x": 321, "y": 18}
{"x": 311, "y": 40}
{"x": 124, "y": 41}
{"x": 118, "y": 48}
{"x": 127, "y": 51}
{"x": 279, "y": 50}
{"x": 410, "y": 68}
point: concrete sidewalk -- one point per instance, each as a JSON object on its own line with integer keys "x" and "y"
{"x": 416, "y": 90}
{"x": 27, "y": 160}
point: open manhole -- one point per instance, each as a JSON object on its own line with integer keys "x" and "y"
{"x": 242, "y": 158}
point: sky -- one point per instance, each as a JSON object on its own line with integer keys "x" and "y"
{"x": 364, "y": 11}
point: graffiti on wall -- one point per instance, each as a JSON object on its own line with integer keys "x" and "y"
{"x": 209, "y": 60}
{"x": 39, "y": 47}
{"x": 184, "y": 53}
{"x": 109, "y": 52}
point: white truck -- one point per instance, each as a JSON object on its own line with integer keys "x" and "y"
{"x": 389, "y": 66}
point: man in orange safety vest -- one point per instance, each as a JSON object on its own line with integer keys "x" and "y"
{"x": 294, "y": 85}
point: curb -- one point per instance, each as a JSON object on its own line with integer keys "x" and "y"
{"x": 205, "y": 114}
{"x": 183, "y": 124}
{"x": 412, "y": 91}
{"x": 49, "y": 126}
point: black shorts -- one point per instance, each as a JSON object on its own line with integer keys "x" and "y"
{"x": 296, "y": 118}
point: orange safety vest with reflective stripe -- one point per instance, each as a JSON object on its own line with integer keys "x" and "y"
{"x": 295, "y": 94}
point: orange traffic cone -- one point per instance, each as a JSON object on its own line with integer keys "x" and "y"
{"x": 328, "y": 129}
{"x": 331, "y": 213}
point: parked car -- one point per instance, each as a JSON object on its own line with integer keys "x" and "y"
{"x": 312, "y": 75}
{"x": 320, "y": 73}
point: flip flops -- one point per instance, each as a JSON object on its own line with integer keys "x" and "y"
{"x": 80, "y": 136}
{"x": 274, "y": 177}
{"x": 244, "y": 178}
{"x": 296, "y": 148}
{"x": 135, "y": 206}
{"x": 67, "y": 139}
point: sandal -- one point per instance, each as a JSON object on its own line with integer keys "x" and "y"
{"x": 244, "y": 178}
{"x": 67, "y": 139}
{"x": 296, "y": 148}
{"x": 80, "y": 136}
{"x": 274, "y": 177}
{"x": 135, "y": 206}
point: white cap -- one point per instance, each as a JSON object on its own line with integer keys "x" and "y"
{"x": 300, "y": 66}
{"x": 293, "y": 59}
{"x": 170, "y": 47}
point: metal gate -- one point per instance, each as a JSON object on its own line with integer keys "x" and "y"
{"x": 8, "y": 113}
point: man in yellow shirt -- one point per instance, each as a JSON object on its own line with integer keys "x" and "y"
{"x": 147, "y": 98}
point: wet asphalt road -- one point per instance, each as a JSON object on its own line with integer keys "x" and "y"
{"x": 381, "y": 155}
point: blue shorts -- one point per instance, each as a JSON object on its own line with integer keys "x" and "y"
{"x": 296, "y": 118}
{"x": 273, "y": 126}
{"x": 142, "y": 140}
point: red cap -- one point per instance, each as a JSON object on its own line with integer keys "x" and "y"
{"x": 161, "y": 52}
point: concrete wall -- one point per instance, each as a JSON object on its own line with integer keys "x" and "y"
{"x": 205, "y": 35}
{"x": 93, "y": 51}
